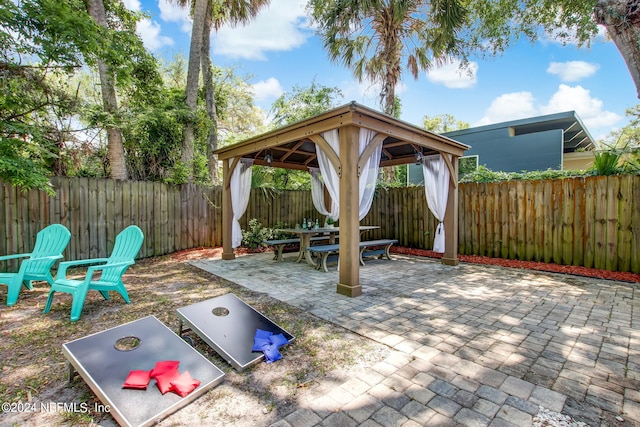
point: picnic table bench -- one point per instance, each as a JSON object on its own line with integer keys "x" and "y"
{"x": 279, "y": 244}
{"x": 328, "y": 253}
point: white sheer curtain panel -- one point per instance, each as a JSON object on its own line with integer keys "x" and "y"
{"x": 329, "y": 174}
{"x": 369, "y": 175}
{"x": 240, "y": 189}
{"x": 317, "y": 194}
{"x": 436, "y": 188}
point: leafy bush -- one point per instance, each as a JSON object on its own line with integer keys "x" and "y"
{"x": 276, "y": 234}
{"x": 606, "y": 162}
{"x": 484, "y": 174}
{"x": 255, "y": 236}
{"x": 632, "y": 162}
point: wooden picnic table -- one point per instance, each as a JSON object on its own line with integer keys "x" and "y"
{"x": 305, "y": 235}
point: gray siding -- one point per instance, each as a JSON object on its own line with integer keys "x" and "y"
{"x": 499, "y": 151}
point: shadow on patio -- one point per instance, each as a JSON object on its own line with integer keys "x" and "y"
{"x": 472, "y": 343}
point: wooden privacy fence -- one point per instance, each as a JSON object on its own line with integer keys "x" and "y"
{"x": 593, "y": 222}
{"x": 96, "y": 210}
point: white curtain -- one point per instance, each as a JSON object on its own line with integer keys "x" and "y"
{"x": 329, "y": 173}
{"x": 369, "y": 175}
{"x": 317, "y": 194}
{"x": 436, "y": 187}
{"x": 240, "y": 189}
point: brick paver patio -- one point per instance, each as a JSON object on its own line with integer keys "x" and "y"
{"x": 473, "y": 345}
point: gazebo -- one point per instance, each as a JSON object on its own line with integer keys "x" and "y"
{"x": 344, "y": 143}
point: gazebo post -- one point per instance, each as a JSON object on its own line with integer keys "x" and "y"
{"x": 450, "y": 256}
{"x": 327, "y": 199}
{"x": 349, "y": 278}
{"x": 294, "y": 143}
{"x": 227, "y": 212}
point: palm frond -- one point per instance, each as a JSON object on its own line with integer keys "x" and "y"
{"x": 375, "y": 38}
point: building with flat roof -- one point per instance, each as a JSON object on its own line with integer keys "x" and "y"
{"x": 554, "y": 141}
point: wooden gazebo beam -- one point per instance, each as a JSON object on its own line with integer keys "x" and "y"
{"x": 349, "y": 119}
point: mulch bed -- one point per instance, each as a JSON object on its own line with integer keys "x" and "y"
{"x": 530, "y": 265}
{"x": 199, "y": 253}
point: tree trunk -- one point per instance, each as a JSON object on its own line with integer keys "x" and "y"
{"x": 193, "y": 74}
{"x": 389, "y": 97}
{"x": 209, "y": 96}
{"x": 116, "y": 155}
{"x": 622, "y": 21}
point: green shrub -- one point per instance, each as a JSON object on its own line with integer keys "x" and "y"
{"x": 632, "y": 162}
{"x": 276, "y": 234}
{"x": 255, "y": 236}
{"x": 484, "y": 174}
{"x": 606, "y": 162}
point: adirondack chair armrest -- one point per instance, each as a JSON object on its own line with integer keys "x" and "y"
{"x": 62, "y": 268}
{"x": 42, "y": 258}
{"x": 91, "y": 270}
{"x": 13, "y": 256}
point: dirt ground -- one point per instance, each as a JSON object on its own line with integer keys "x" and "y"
{"x": 34, "y": 368}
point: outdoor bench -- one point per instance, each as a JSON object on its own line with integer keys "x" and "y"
{"x": 280, "y": 244}
{"x": 329, "y": 253}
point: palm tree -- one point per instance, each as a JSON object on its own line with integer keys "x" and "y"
{"x": 116, "y": 156}
{"x": 193, "y": 72}
{"x": 208, "y": 15}
{"x": 373, "y": 37}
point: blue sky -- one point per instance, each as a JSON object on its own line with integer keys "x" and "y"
{"x": 280, "y": 51}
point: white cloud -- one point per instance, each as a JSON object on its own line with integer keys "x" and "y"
{"x": 170, "y": 12}
{"x": 454, "y": 77}
{"x": 280, "y": 27}
{"x": 132, "y": 5}
{"x": 510, "y": 106}
{"x": 366, "y": 93}
{"x": 572, "y": 71}
{"x": 520, "y": 105}
{"x": 149, "y": 31}
{"x": 362, "y": 92}
{"x": 580, "y": 100}
{"x": 267, "y": 89}
{"x": 567, "y": 36}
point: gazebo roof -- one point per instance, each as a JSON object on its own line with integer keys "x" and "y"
{"x": 292, "y": 146}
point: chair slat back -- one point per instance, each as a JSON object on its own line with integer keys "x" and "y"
{"x": 50, "y": 241}
{"x": 128, "y": 244}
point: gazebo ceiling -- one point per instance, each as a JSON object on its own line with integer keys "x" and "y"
{"x": 291, "y": 146}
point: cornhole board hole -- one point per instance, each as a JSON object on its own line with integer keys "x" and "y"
{"x": 227, "y": 324}
{"x": 104, "y": 368}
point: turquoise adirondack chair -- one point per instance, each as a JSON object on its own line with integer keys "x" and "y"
{"x": 51, "y": 241}
{"x": 127, "y": 246}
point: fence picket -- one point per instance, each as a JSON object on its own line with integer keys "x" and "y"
{"x": 635, "y": 226}
{"x": 600, "y": 220}
{"x": 624, "y": 229}
{"x": 589, "y": 223}
{"x": 579, "y": 222}
{"x": 592, "y": 221}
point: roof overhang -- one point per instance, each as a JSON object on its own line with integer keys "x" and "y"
{"x": 292, "y": 146}
{"x": 575, "y": 134}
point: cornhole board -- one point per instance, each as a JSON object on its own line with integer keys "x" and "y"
{"x": 105, "y": 368}
{"x": 227, "y": 324}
